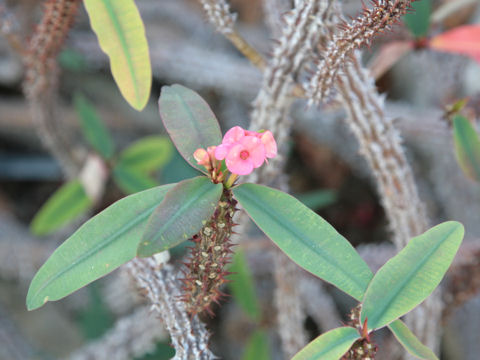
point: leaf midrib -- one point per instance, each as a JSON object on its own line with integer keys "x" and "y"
{"x": 300, "y": 236}
{"x": 194, "y": 121}
{"x": 205, "y": 188}
{"x": 98, "y": 247}
{"x": 119, "y": 30}
{"x": 407, "y": 279}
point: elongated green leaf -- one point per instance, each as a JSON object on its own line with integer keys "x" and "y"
{"x": 180, "y": 215}
{"x": 242, "y": 285}
{"x": 410, "y": 277}
{"x": 418, "y": 21}
{"x": 189, "y": 121}
{"x": 65, "y": 205}
{"x": 410, "y": 342}
{"x": 147, "y": 154}
{"x": 257, "y": 347}
{"x": 305, "y": 237}
{"x": 131, "y": 181}
{"x": 330, "y": 345}
{"x": 121, "y": 35}
{"x": 93, "y": 128}
{"x": 467, "y": 147}
{"x": 98, "y": 247}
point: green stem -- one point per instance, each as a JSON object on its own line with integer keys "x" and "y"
{"x": 230, "y": 181}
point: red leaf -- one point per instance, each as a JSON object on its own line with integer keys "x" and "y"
{"x": 461, "y": 40}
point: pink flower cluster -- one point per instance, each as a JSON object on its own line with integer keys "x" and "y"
{"x": 242, "y": 150}
{"x": 245, "y": 150}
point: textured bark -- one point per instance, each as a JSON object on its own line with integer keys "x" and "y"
{"x": 354, "y": 35}
{"x": 381, "y": 145}
{"x": 132, "y": 336}
{"x": 189, "y": 335}
{"x": 41, "y": 80}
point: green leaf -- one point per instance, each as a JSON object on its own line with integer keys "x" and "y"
{"x": 242, "y": 285}
{"x": 258, "y": 347}
{"x": 467, "y": 147}
{"x": 317, "y": 199}
{"x": 330, "y": 345}
{"x": 410, "y": 342}
{"x": 98, "y": 247}
{"x": 147, "y": 154}
{"x": 305, "y": 237}
{"x": 410, "y": 277}
{"x": 121, "y": 35}
{"x": 189, "y": 121}
{"x": 64, "y": 206}
{"x": 418, "y": 21}
{"x": 93, "y": 128}
{"x": 180, "y": 215}
{"x": 131, "y": 181}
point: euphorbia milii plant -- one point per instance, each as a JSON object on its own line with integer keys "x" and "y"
{"x": 202, "y": 209}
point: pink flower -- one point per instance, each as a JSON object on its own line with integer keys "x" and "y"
{"x": 231, "y": 137}
{"x": 244, "y": 150}
{"x": 270, "y": 144}
{"x": 245, "y": 155}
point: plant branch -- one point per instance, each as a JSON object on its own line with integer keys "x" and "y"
{"x": 158, "y": 281}
{"x": 131, "y": 337}
{"x": 355, "y": 35}
{"x": 40, "y": 85}
{"x": 219, "y": 15}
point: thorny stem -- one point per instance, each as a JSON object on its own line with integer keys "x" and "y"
{"x": 206, "y": 269}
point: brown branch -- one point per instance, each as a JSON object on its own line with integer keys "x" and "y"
{"x": 219, "y": 15}
{"x": 360, "y": 32}
{"x": 41, "y": 77}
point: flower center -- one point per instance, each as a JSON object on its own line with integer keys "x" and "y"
{"x": 244, "y": 155}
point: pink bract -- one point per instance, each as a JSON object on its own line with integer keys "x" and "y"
{"x": 247, "y": 154}
{"x": 231, "y": 137}
{"x": 270, "y": 144}
{"x": 245, "y": 150}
